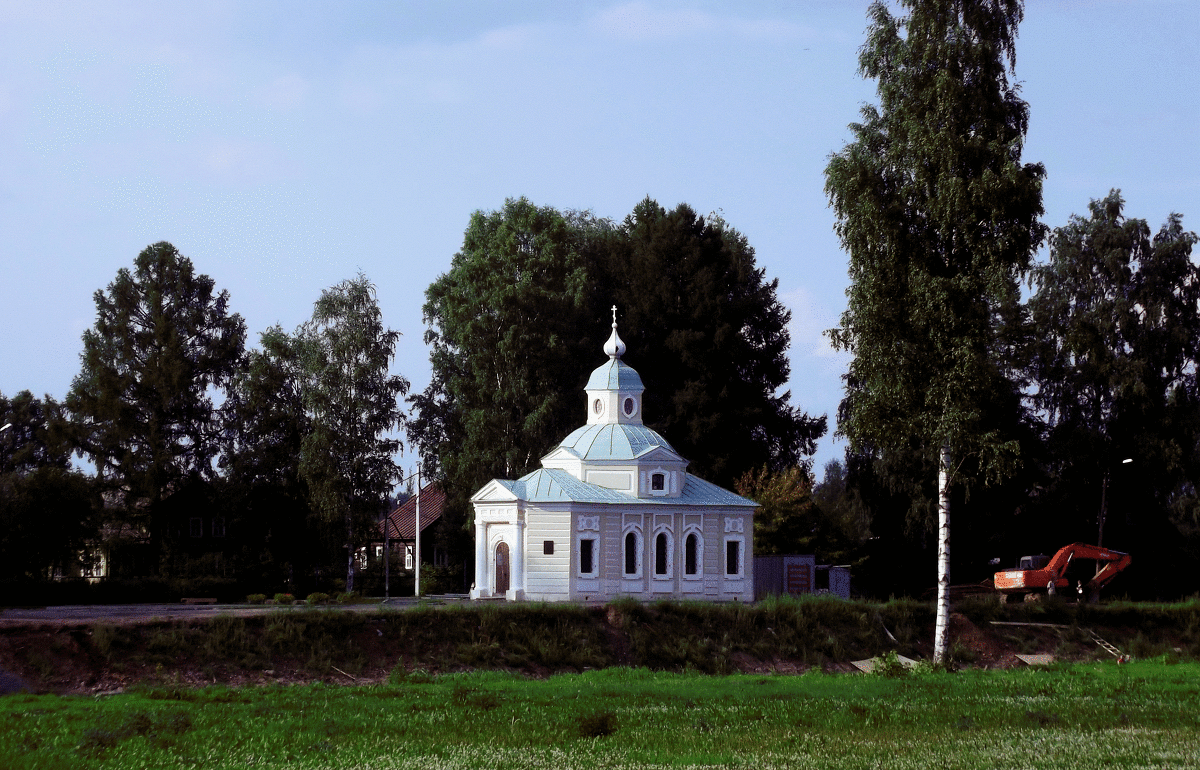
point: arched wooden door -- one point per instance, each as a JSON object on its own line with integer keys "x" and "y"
{"x": 502, "y": 568}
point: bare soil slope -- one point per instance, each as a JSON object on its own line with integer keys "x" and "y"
{"x": 336, "y": 646}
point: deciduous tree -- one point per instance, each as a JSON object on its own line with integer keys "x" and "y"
{"x": 261, "y": 463}
{"x": 351, "y": 400}
{"x": 518, "y": 323}
{"x": 1118, "y": 336}
{"x": 47, "y": 510}
{"x": 509, "y": 347}
{"x": 940, "y": 218}
{"x": 708, "y": 335}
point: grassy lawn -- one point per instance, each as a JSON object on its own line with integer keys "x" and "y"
{"x": 1095, "y": 715}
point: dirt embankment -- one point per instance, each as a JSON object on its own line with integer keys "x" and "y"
{"x": 339, "y": 646}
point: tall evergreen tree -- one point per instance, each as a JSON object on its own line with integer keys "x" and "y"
{"x": 940, "y": 218}
{"x": 163, "y": 344}
{"x": 261, "y": 464}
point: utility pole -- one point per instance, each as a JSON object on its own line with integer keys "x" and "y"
{"x": 417, "y": 539}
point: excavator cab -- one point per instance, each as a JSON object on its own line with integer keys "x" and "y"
{"x": 1034, "y": 562}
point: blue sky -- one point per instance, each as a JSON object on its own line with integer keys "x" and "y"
{"x": 285, "y": 146}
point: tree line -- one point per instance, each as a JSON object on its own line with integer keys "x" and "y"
{"x": 270, "y": 465}
{"x": 1044, "y": 402}
{"x": 285, "y": 453}
{"x": 266, "y": 466}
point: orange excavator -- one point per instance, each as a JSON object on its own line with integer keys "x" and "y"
{"x": 1043, "y": 575}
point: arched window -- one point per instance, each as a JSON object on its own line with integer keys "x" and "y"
{"x": 631, "y": 554}
{"x": 691, "y": 554}
{"x": 662, "y": 549}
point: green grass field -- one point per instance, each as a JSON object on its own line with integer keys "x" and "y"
{"x": 1094, "y": 715}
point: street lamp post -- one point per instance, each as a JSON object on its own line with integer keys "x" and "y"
{"x": 417, "y": 539}
{"x": 387, "y": 549}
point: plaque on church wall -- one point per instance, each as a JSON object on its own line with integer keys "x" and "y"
{"x": 611, "y": 479}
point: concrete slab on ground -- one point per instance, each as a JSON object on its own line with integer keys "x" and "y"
{"x": 867, "y": 666}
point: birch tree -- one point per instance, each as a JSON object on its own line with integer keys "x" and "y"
{"x": 352, "y": 403}
{"x": 939, "y": 218}
{"x": 1114, "y": 365}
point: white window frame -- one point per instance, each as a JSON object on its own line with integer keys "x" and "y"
{"x": 594, "y": 537}
{"x": 667, "y": 480}
{"x": 741, "y": 566}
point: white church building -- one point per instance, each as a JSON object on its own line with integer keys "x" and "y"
{"x": 612, "y": 512}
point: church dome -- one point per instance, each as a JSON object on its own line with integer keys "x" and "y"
{"x": 613, "y": 441}
{"x": 615, "y": 374}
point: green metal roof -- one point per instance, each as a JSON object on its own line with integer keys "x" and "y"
{"x": 615, "y": 375}
{"x": 613, "y": 441}
{"x": 558, "y": 486}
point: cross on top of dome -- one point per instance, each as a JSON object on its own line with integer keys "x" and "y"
{"x": 614, "y": 347}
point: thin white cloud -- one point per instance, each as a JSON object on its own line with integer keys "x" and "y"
{"x": 376, "y": 77}
{"x": 810, "y": 320}
{"x": 641, "y": 21}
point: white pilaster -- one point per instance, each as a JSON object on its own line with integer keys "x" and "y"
{"x": 516, "y": 588}
{"x": 482, "y": 577}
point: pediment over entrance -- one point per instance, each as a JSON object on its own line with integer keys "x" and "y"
{"x": 495, "y": 491}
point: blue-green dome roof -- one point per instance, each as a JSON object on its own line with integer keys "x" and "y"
{"x": 613, "y": 441}
{"x": 615, "y": 375}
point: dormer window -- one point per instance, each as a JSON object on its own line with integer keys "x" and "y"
{"x": 658, "y": 482}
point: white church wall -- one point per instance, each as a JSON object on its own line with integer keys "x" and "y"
{"x": 547, "y": 576}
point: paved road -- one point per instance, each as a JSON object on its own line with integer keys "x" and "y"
{"x": 130, "y": 613}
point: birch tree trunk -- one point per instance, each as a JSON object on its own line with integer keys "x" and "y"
{"x": 942, "y": 624}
